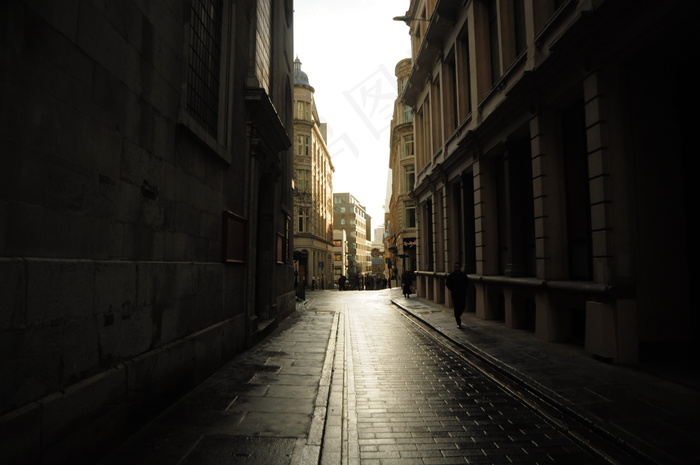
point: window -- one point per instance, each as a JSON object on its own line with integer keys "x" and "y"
{"x": 407, "y": 114}
{"x": 449, "y": 96}
{"x": 410, "y": 177}
{"x": 410, "y": 212}
{"x": 408, "y": 145}
{"x": 303, "y": 219}
{"x": 338, "y": 257}
{"x": 515, "y": 211}
{"x": 519, "y": 24}
{"x": 436, "y": 115}
{"x": 303, "y": 181}
{"x": 462, "y": 76}
{"x": 578, "y": 204}
{"x": 263, "y": 44}
{"x": 204, "y": 64}
{"x": 303, "y": 110}
{"x": 428, "y": 259}
{"x": 493, "y": 41}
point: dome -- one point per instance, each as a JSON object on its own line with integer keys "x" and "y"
{"x": 300, "y": 77}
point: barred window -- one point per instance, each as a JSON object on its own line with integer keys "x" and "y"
{"x": 204, "y": 59}
{"x": 263, "y": 44}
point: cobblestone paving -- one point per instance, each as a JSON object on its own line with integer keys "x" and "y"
{"x": 413, "y": 401}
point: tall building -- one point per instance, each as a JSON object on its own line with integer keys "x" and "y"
{"x": 401, "y": 238}
{"x": 313, "y": 189}
{"x": 553, "y": 143}
{"x": 145, "y": 209}
{"x": 350, "y": 216}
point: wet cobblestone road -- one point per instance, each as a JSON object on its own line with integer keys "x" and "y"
{"x": 409, "y": 399}
{"x": 352, "y": 378}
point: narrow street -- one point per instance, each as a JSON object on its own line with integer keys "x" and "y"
{"x": 355, "y": 378}
{"x": 410, "y": 399}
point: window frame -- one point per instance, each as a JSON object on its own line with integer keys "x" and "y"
{"x": 220, "y": 143}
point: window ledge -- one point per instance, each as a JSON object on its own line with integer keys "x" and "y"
{"x": 186, "y": 120}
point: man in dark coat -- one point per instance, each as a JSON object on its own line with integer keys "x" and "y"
{"x": 406, "y": 281}
{"x": 457, "y": 283}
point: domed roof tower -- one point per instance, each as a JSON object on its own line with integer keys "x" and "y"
{"x": 300, "y": 77}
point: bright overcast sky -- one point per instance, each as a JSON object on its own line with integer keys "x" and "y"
{"x": 349, "y": 49}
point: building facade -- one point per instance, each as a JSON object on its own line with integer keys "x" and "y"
{"x": 340, "y": 255}
{"x": 350, "y": 216}
{"x": 379, "y": 254}
{"x": 145, "y": 209}
{"x": 543, "y": 166}
{"x": 401, "y": 240}
{"x": 313, "y": 189}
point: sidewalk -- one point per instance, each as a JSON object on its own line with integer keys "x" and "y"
{"x": 265, "y": 407}
{"x": 655, "y": 419}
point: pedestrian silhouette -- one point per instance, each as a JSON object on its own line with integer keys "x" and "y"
{"x": 457, "y": 283}
{"x": 406, "y": 281}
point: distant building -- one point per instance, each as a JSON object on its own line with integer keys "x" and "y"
{"x": 401, "y": 236}
{"x": 379, "y": 254}
{"x": 352, "y": 217}
{"x": 145, "y": 209}
{"x": 340, "y": 254}
{"x": 378, "y": 236}
{"x": 313, "y": 189}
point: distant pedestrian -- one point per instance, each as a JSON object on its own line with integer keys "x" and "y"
{"x": 341, "y": 282}
{"x": 406, "y": 281}
{"x": 457, "y": 283}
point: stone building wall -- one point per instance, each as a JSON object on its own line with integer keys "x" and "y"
{"x": 116, "y": 297}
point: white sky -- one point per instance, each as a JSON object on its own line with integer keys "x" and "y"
{"x": 349, "y": 49}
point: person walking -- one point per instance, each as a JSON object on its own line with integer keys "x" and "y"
{"x": 457, "y": 283}
{"x": 341, "y": 282}
{"x": 406, "y": 281}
